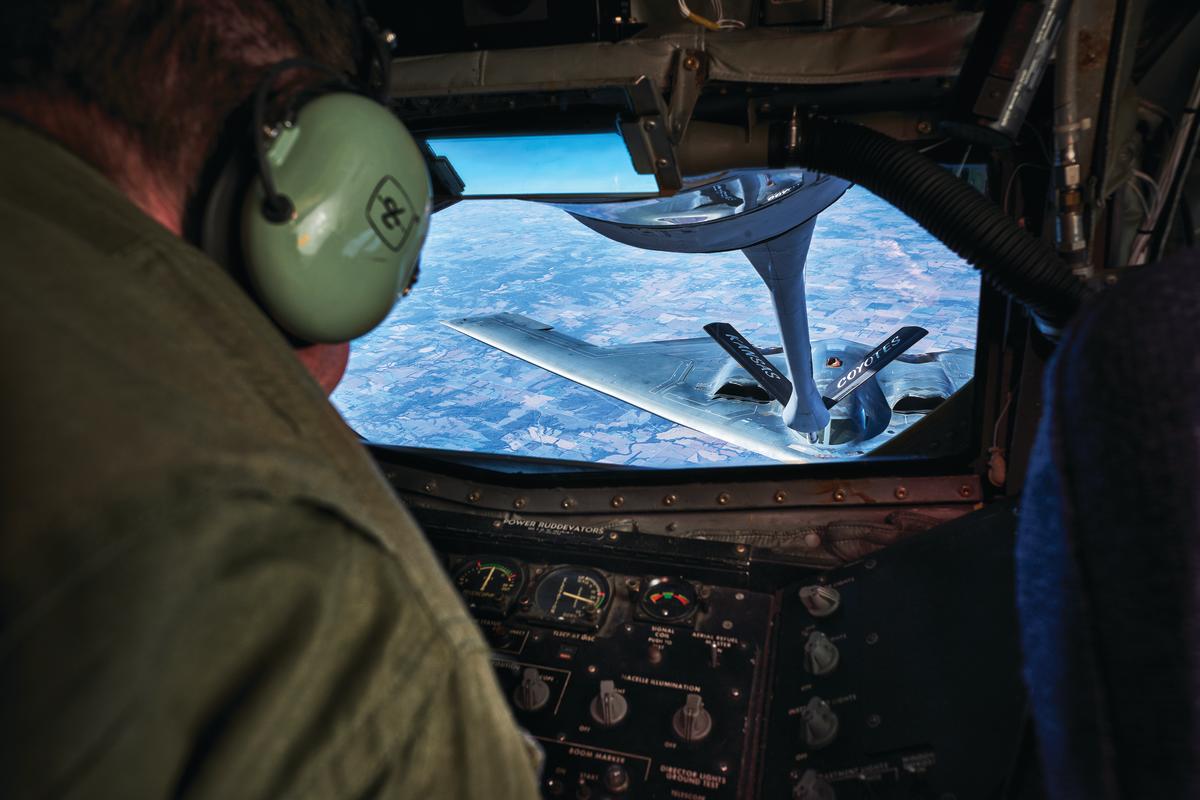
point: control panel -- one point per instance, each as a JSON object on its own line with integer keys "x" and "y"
{"x": 636, "y": 685}
{"x": 651, "y": 667}
{"x": 898, "y": 675}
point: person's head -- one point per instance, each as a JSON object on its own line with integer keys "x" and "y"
{"x": 142, "y": 89}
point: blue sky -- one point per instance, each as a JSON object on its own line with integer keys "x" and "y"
{"x": 581, "y": 163}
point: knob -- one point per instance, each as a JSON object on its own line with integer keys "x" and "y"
{"x": 501, "y": 637}
{"x": 811, "y": 787}
{"x": 820, "y": 600}
{"x": 692, "y": 722}
{"x": 616, "y": 779}
{"x": 820, "y": 654}
{"x": 820, "y": 724}
{"x": 532, "y": 693}
{"x": 609, "y": 707}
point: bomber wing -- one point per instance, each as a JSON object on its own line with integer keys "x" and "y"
{"x": 691, "y": 382}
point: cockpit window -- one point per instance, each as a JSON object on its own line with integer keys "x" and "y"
{"x": 579, "y": 332}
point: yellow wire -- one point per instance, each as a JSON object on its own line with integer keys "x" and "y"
{"x": 703, "y": 21}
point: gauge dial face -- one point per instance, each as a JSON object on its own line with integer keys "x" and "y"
{"x": 490, "y": 584}
{"x": 669, "y": 599}
{"x": 573, "y": 594}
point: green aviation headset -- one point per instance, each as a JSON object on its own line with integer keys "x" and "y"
{"x": 323, "y": 212}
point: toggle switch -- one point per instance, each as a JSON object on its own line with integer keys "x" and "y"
{"x": 820, "y": 724}
{"x": 812, "y": 787}
{"x": 820, "y": 655}
{"x": 609, "y": 707}
{"x": 692, "y": 722}
{"x": 820, "y": 600}
{"x": 532, "y": 693}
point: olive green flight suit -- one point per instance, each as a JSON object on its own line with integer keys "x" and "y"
{"x": 207, "y": 588}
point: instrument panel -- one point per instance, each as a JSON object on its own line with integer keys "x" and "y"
{"x": 656, "y": 668}
{"x": 636, "y": 685}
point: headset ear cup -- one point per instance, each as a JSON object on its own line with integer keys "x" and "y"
{"x": 220, "y": 235}
{"x": 361, "y": 194}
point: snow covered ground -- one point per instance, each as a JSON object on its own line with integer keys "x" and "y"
{"x": 415, "y": 382}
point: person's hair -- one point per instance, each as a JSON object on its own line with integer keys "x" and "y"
{"x": 166, "y": 73}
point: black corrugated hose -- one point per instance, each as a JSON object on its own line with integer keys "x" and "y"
{"x": 1022, "y": 266}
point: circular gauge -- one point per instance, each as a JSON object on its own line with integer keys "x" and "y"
{"x": 573, "y": 594}
{"x": 669, "y": 600}
{"x": 490, "y": 584}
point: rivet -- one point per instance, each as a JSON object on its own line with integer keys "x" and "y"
{"x": 722, "y": 767}
{"x": 741, "y": 548}
{"x": 901, "y": 492}
{"x": 671, "y": 526}
{"x": 839, "y": 495}
{"x": 591, "y": 669}
{"x": 812, "y": 540}
{"x": 389, "y": 37}
{"x": 727, "y": 625}
{"x": 780, "y": 496}
{"x": 474, "y": 496}
{"x": 872, "y": 638}
{"x": 663, "y": 161}
{"x": 669, "y": 500}
{"x": 964, "y": 490}
{"x": 617, "y": 501}
{"x": 567, "y": 502}
{"x": 924, "y": 126}
{"x": 870, "y": 563}
{"x": 691, "y": 63}
{"x": 431, "y": 486}
{"x": 519, "y": 503}
{"x": 723, "y": 499}
{"x": 873, "y": 721}
{"x": 764, "y": 108}
{"x": 649, "y": 124}
{"x": 740, "y": 596}
{"x": 613, "y": 536}
{"x": 735, "y": 692}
